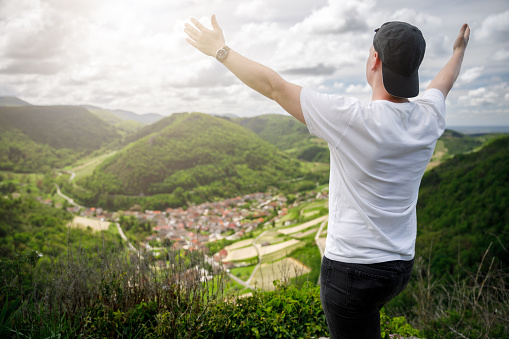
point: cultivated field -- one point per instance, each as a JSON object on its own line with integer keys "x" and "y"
{"x": 95, "y": 225}
{"x": 306, "y": 233}
{"x": 302, "y": 227}
{"x": 270, "y": 236}
{"x": 241, "y": 254}
{"x": 239, "y": 244}
{"x": 264, "y": 250}
{"x": 282, "y": 270}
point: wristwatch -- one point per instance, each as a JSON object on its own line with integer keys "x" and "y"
{"x": 222, "y": 53}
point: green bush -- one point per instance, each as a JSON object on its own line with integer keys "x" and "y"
{"x": 287, "y": 312}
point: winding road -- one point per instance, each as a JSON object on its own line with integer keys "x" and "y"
{"x": 69, "y": 200}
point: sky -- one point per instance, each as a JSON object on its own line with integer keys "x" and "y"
{"x": 132, "y": 55}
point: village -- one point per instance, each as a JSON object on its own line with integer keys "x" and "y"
{"x": 195, "y": 226}
{"x": 249, "y": 228}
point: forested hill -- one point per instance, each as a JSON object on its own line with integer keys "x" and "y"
{"x": 463, "y": 206}
{"x": 196, "y": 153}
{"x": 58, "y": 126}
{"x": 156, "y": 127}
{"x": 36, "y": 136}
{"x": 288, "y": 134}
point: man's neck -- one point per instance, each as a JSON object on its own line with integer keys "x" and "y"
{"x": 379, "y": 93}
{"x": 390, "y": 98}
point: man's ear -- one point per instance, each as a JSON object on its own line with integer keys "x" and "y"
{"x": 375, "y": 61}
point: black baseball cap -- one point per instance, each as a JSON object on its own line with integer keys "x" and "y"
{"x": 400, "y": 47}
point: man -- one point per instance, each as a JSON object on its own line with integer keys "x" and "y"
{"x": 379, "y": 152}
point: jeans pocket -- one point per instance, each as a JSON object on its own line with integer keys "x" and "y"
{"x": 325, "y": 269}
{"x": 366, "y": 288}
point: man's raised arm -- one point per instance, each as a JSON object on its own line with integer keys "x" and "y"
{"x": 448, "y": 75}
{"x": 260, "y": 78}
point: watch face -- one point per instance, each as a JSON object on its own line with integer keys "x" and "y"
{"x": 221, "y": 54}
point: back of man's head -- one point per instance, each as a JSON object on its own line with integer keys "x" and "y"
{"x": 400, "y": 47}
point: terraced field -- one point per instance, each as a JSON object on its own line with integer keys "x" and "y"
{"x": 282, "y": 270}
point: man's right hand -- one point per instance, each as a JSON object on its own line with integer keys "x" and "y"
{"x": 205, "y": 40}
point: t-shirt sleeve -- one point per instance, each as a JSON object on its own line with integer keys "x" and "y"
{"x": 435, "y": 99}
{"x": 328, "y": 116}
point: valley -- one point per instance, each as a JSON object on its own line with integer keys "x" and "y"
{"x": 226, "y": 205}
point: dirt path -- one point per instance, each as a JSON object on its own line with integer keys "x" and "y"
{"x": 69, "y": 200}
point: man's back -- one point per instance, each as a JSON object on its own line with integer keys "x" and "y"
{"x": 379, "y": 152}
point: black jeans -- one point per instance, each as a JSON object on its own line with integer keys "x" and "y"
{"x": 353, "y": 294}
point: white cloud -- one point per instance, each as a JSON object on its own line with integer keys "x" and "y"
{"x": 255, "y": 9}
{"x": 338, "y": 17}
{"x": 338, "y": 85}
{"x": 422, "y": 20}
{"x": 494, "y": 29}
{"x": 353, "y": 89}
{"x": 132, "y": 54}
{"x": 490, "y": 96}
{"x": 501, "y": 55}
{"x": 470, "y": 75}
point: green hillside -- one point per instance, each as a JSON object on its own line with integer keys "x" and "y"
{"x": 289, "y": 135}
{"x": 123, "y": 126}
{"x": 33, "y": 137}
{"x": 58, "y": 126}
{"x": 193, "y": 156}
{"x": 155, "y": 128}
{"x": 21, "y": 154}
{"x": 464, "y": 206}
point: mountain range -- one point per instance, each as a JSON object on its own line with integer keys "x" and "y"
{"x": 205, "y": 156}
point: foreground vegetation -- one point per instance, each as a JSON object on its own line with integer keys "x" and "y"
{"x": 123, "y": 296}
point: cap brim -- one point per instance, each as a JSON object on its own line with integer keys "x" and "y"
{"x": 399, "y": 85}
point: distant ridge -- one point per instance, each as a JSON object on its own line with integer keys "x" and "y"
{"x": 103, "y": 113}
{"x": 146, "y": 119}
{"x": 36, "y": 137}
{"x": 70, "y": 127}
{"x": 13, "y": 102}
{"x": 480, "y": 129}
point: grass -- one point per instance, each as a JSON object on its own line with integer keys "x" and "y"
{"x": 309, "y": 255}
{"x": 283, "y": 270}
{"x": 88, "y": 166}
{"x": 275, "y": 256}
{"x": 243, "y": 273}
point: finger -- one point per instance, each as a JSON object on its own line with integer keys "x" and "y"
{"x": 198, "y": 24}
{"x": 467, "y": 32}
{"x": 191, "y": 31}
{"x": 215, "y": 25}
{"x": 191, "y": 42}
{"x": 463, "y": 29}
{"x": 190, "y": 34}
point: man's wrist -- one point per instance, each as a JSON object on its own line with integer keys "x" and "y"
{"x": 222, "y": 53}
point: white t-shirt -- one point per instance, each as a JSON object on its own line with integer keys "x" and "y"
{"x": 378, "y": 153}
